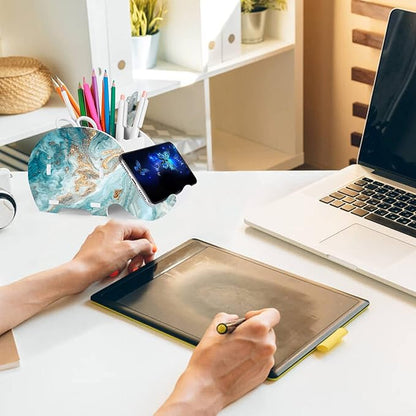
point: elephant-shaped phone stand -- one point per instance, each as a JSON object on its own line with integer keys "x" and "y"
{"x": 78, "y": 167}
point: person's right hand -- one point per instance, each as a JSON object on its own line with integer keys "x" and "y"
{"x": 225, "y": 367}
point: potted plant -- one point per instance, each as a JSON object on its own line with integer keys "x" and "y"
{"x": 146, "y": 17}
{"x": 253, "y": 18}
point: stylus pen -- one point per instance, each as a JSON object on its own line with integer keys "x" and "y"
{"x": 228, "y": 327}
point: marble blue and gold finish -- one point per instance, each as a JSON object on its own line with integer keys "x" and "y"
{"x": 78, "y": 167}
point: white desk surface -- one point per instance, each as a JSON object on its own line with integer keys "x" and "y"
{"x": 77, "y": 359}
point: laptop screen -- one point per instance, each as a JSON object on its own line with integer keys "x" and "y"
{"x": 389, "y": 138}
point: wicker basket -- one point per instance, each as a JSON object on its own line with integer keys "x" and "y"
{"x": 25, "y": 85}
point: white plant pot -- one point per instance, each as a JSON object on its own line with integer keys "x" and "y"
{"x": 144, "y": 51}
{"x": 252, "y": 26}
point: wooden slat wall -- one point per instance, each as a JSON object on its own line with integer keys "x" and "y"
{"x": 372, "y": 40}
{"x": 359, "y": 110}
{"x": 356, "y": 138}
{"x": 369, "y": 9}
{"x": 366, "y": 38}
{"x": 363, "y": 75}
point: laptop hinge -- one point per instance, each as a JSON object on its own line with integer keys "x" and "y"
{"x": 394, "y": 177}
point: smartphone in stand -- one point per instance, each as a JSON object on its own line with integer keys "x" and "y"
{"x": 158, "y": 171}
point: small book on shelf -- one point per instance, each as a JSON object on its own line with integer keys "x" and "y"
{"x": 9, "y": 356}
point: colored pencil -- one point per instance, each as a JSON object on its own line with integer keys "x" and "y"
{"x": 57, "y": 87}
{"x": 102, "y": 108}
{"x": 90, "y": 104}
{"x": 94, "y": 87}
{"x": 68, "y": 104}
{"x": 71, "y": 98}
{"x": 81, "y": 101}
{"x": 106, "y": 103}
{"x": 113, "y": 109}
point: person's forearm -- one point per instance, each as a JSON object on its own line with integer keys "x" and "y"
{"x": 24, "y": 298}
{"x": 193, "y": 395}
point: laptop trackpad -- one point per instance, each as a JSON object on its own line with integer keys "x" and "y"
{"x": 361, "y": 245}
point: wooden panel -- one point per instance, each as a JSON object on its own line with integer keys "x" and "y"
{"x": 359, "y": 110}
{"x": 369, "y": 9}
{"x": 363, "y": 75}
{"x": 366, "y": 38}
{"x": 356, "y": 139}
{"x": 353, "y": 161}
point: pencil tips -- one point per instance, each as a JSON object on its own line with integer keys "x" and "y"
{"x": 59, "y": 81}
{"x": 54, "y": 82}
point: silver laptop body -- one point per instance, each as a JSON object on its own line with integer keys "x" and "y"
{"x": 364, "y": 216}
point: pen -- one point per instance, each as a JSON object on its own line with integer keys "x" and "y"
{"x": 228, "y": 327}
{"x": 113, "y": 109}
{"x": 120, "y": 119}
{"x": 90, "y": 104}
{"x": 106, "y": 103}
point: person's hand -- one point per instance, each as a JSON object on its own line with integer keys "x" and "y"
{"x": 225, "y": 367}
{"x": 110, "y": 248}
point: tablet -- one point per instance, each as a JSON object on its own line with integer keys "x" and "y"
{"x": 180, "y": 293}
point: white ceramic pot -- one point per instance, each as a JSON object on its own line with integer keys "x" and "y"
{"x": 252, "y": 26}
{"x": 144, "y": 51}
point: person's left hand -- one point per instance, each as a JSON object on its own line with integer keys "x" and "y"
{"x": 110, "y": 248}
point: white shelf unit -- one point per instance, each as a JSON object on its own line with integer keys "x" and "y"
{"x": 249, "y": 108}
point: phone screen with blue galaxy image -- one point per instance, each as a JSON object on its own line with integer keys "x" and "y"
{"x": 158, "y": 170}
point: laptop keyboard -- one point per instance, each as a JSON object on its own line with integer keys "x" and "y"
{"x": 378, "y": 202}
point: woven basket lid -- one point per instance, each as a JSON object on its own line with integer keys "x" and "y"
{"x": 15, "y": 66}
{"x": 25, "y": 84}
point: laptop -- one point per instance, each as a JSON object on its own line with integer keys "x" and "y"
{"x": 364, "y": 216}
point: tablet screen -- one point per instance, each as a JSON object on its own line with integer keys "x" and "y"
{"x": 182, "y": 291}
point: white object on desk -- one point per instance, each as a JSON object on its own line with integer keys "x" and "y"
{"x": 77, "y": 358}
